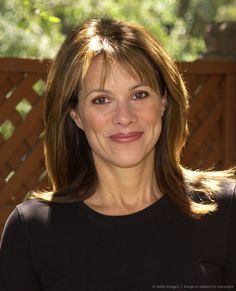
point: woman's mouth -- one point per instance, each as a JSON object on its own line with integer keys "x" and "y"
{"x": 126, "y": 137}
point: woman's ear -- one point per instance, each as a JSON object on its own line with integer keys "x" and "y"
{"x": 163, "y": 103}
{"x": 75, "y": 116}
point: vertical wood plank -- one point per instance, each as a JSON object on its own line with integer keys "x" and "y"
{"x": 229, "y": 121}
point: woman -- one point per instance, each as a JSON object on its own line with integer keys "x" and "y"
{"x": 123, "y": 214}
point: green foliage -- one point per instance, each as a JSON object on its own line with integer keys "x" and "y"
{"x": 25, "y": 30}
{"x": 23, "y": 107}
{"x": 37, "y": 27}
{"x": 6, "y": 129}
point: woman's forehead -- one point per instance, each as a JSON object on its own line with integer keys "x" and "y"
{"x": 102, "y": 69}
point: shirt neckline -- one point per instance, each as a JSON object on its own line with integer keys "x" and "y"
{"x": 137, "y": 216}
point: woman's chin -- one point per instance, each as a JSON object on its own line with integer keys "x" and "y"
{"x": 124, "y": 159}
{"x": 128, "y": 161}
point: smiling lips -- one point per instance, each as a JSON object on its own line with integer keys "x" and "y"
{"x": 126, "y": 137}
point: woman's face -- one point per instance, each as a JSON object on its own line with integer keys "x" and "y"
{"x": 122, "y": 119}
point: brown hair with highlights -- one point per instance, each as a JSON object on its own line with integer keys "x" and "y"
{"x": 69, "y": 161}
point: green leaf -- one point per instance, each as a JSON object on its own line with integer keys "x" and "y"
{"x": 54, "y": 19}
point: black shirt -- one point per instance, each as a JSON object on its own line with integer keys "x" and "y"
{"x": 71, "y": 247}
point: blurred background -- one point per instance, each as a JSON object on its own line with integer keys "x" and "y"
{"x": 36, "y": 28}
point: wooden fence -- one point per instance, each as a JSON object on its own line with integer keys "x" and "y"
{"x": 212, "y": 86}
{"x": 21, "y": 112}
{"x": 212, "y": 116}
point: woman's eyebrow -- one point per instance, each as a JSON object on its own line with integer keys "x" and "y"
{"x": 138, "y": 85}
{"x": 97, "y": 91}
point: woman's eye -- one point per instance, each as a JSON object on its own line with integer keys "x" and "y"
{"x": 141, "y": 95}
{"x": 100, "y": 100}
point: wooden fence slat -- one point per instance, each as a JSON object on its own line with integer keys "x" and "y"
{"x": 4, "y": 170}
{"x": 208, "y": 88}
{"x": 17, "y": 95}
{"x": 16, "y": 79}
{"x": 213, "y": 154}
{"x": 201, "y": 67}
{"x": 32, "y": 139}
{"x": 16, "y": 157}
{"x": 19, "y": 195}
{"x": 3, "y": 77}
{"x": 32, "y": 96}
{"x": 201, "y": 134}
{"x": 33, "y": 179}
{"x": 2, "y": 141}
{"x": 10, "y": 83}
{"x": 5, "y": 88}
{"x": 24, "y": 65}
{"x": 15, "y": 118}
{"x": 22, "y": 173}
{"x": 28, "y": 125}
{"x": 192, "y": 83}
{"x": 229, "y": 121}
{"x": 4, "y": 213}
{"x": 198, "y": 162}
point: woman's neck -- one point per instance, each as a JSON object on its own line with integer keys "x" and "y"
{"x": 125, "y": 189}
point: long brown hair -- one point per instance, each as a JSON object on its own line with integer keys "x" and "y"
{"x": 69, "y": 161}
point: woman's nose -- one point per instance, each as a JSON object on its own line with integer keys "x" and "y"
{"x": 124, "y": 115}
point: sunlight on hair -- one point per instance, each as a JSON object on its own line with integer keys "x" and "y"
{"x": 96, "y": 45}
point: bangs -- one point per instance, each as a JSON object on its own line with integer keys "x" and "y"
{"x": 136, "y": 62}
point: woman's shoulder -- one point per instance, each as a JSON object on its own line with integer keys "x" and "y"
{"x": 36, "y": 216}
{"x": 27, "y": 212}
{"x": 33, "y": 209}
{"x": 39, "y": 210}
{"x": 33, "y": 203}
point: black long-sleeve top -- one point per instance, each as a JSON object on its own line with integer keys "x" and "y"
{"x": 70, "y": 247}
